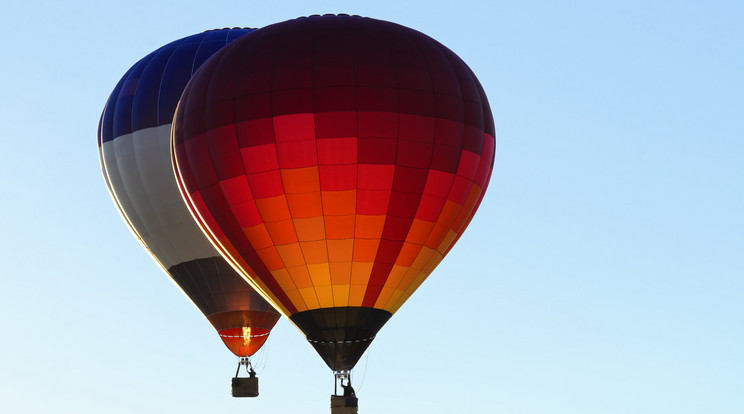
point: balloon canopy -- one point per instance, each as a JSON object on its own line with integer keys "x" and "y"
{"x": 134, "y": 149}
{"x": 334, "y": 160}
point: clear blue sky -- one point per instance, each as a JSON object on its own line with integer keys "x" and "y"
{"x": 603, "y": 273}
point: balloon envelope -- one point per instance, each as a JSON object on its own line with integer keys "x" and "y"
{"x": 134, "y": 149}
{"x": 335, "y": 160}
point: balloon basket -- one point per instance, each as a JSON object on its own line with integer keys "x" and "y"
{"x": 344, "y": 405}
{"x": 245, "y": 387}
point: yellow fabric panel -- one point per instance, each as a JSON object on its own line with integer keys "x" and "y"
{"x": 325, "y": 296}
{"x": 339, "y": 203}
{"x": 394, "y": 302}
{"x": 437, "y": 235}
{"x": 432, "y": 263}
{"x": 408, "y": 279}
{"x": 423, "y": 257}
{"x": 259, "y": 236}
{"x": 396, "y": 275}
{"x": 419, "y": 231}
{"x": 368, "y": 227}
{"x": 340, "y": 227}
{"x": 340, "y": 273}
{"x": 305, "y": 205}
{"x": 408, "y": 254}
{"x": 320, "y": 274}
{"x": 449, "y": 213}
{"x": 309, "y": 229}
{"x": 448, "y": 240}
{"x": 341, "y": 295}
{"x": 444, "y": 223}
{"x": 284, "y": 279}
{"x": 365, "y": 250}
{"x": 310, "y": 298}
{"x": 273, "y": 208}
{"x": 340, "y": 250}
{"x": 356, "y": 294}
{"x": 297, "y": 300}
{"x": 417, "y": 281}
{"x": 385, "y": 294}
{"x": 282, "y": 232}
{"x": 300, "y": 276}
{"x": 315, "y": 252}
{"x": 467, "y": 209}
{"x": 300, "y": 180}
{"x": 291, "y": 254}
{"x": 270, "y": 257}
{"x": 360, "y": 272}
{"x": 393, "y": 307}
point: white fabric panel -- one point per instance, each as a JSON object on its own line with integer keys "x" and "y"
{"x": 139, "y": 169}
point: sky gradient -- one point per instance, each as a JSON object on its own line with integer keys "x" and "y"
{"x": 602, "y": 274}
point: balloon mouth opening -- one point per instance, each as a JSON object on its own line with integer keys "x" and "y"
{"x": 244, "y": 341}
{"x": 244, "y": 332}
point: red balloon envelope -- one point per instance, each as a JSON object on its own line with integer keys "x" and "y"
{"x": 334, "y": 160}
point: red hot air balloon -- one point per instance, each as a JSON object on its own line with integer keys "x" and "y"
{"x": 335, "y": 160}
{"x": 134, "y": 148}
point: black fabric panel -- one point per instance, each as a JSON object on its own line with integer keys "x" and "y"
{"x": 215, "y": 287}
{"x": 341, "y": 335}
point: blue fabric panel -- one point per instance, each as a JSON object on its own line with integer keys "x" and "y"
{"x": 122, "y": 122}
{"x": 175, "y": 77}
{"x": 147, "y": 94}
{"x": 145, "y": 102}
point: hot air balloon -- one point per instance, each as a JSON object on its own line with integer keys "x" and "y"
{"x": 134, "y": 149}
{"x": 335, "y": 160}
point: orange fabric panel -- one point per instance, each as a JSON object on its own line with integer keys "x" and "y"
{"x": 325, "y": 295}
{"x": 384, "y": 296}
{"x": 273, "y": 208}
{"x": 270, "y": 257}
{"x": 408, "y": 254}
{"x": 297, "y": 300}
{"x": 356, "y": 294}
{"x": 340, "y": 273}
{"x": 300, "y": 276}
{"x": 282, "y": 232}
{"x": 310, "y": 298}
{"x": 291, "y": 254}
{"x": 467, "y": 210}
{"x": 340, "y": 227}
{"x": 300, "y": 180}
{"x": 396, "y": 275}
{"x": 338, "y": 203}
{"x": 310, "y": 229}
{"x": 369, "y": 227}
{"x": 259, "y": 236}
{"x": 419, "y": 231}
{"x": 341, "y": 294}
{"x": 305, "y": 205}
{"x": 340, "y": 250}
{"x": 320, "y": 274}
{"x": 365, "y": 250}
{"x": 449, "y": 238}
{"x": 315, "y": 251}
{"x": 360, "y": 272}
{"x": 284, "y": 279}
